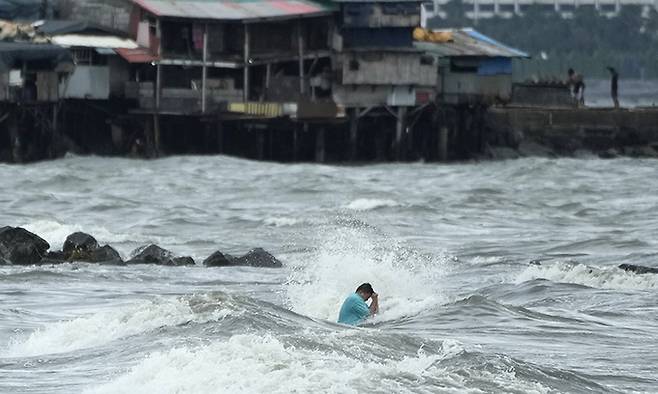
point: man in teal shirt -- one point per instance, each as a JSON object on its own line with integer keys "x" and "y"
{"x": 355, "y": 309}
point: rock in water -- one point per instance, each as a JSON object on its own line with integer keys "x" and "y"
{"x": 219, "y": 259}
{"x": 258, "y": 258}
{"x": 180, "y": 261}
{"x": 106, "y": 255}
{"x": 153, "y": 254}
{"x": 638, "y": 269}
{"x": 79, "y": 246}
{"x": 20, "y": 246}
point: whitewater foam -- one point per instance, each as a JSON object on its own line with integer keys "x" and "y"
{"x": 368, "y": 204}
{"x": 597, "y": 277}
{"x": 407, "y": 283}
{"x": 103, "y": 327}
{"x": 280, "y": 221}
{"x": 55, "y": 233}
{"x": 257, "y": 364}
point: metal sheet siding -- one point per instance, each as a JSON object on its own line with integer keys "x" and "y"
{"x": 233, "y": 10}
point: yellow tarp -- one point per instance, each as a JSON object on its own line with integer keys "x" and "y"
{"x": 427, "y": 35}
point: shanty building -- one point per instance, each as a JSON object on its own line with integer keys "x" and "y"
{"x": 378, "y": 70}
{"x": 99, "y": 72}
{"x": 209, "y": 56}
{"x": 473, "y": 68}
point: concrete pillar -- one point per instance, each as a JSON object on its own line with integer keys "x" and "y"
{"x": 320, "y": 145}
{"x": 354, "y": 134}
{"x": 443, "y": 143}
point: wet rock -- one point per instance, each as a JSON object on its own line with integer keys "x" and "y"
{"x": 180, "y": 261}
{"x": 79, "y": 246}
{"x": 608, "y": 154}
{"x": 638, "y": 269}
{"x": 20, "y": 246}
{"x": 106, "y": 255}
{"x": 258, "y": 258}
{"x": 533, "y": 149}
{"x": 54, "y": 257}
{"x": 153, "y": 254}
{"x": 219, "y": 259}
{"x": 502, "y": 153}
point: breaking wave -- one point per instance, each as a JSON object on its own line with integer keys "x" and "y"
{"x": 585, "y": 275}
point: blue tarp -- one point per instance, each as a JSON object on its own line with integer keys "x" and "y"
{"x": 495, "y": 66}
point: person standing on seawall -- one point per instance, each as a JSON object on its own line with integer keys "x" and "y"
{"x": 614, "y": 80}
{"x": 355, "y": 310}
{"x": 577, "y": 84}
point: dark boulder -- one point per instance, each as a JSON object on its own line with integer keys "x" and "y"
{"x": 153, "y": 254}
{"x": 258, "y": 258}
{"x": 219, "y": 259}
{"x": 609, "y": 154}
{"x": 56, "y": 257}
{"x": 638, "y": 269}
{"x": 180, "y": 261}
{"x": 106, "y": 255}
{"x": 79, "y": 246}
{"x": 20, "y": 246}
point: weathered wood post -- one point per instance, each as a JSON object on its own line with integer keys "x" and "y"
{"x": 245, "y": 87}
{"x": 300, "y": 48}
{"x": 295, "y": 142}
{"x": 443, "y": 143}
{"x": 399, "y": 130}
{"x": 204, "y": 71}
{"x": 320, "y": 145}
{"x": 354, "y": 134}
{"x": 220, "y": 135}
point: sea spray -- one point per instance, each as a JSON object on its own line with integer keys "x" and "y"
{"x": 610, "y": 277}
{"x": 407, "y": 281}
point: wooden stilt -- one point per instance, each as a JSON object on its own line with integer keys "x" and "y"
{"x": 156, "y": 135}
{"x": 261, "y": 144}
{"x": 295, "y": 142}
{"x": 354, "y": 136}
{"x": 320, "y": 145}
{"x": 220, "y": 136}
{"x": 399, "y": 130}
{"x": 443, "y": 143}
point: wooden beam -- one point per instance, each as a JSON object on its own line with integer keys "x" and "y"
{"x": 158, "y": 87}
{"x": 300, "y": 47}
{"x": 245, "y": 87}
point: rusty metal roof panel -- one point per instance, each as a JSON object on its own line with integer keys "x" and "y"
{"x": 137, "y": 55}
{"x": 235, "y": 9}
{"x": 469, "y": 43}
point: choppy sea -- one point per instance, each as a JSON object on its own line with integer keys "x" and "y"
{"x": 447, "y": 247}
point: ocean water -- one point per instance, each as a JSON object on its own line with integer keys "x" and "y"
{"x": 448, "y": 248}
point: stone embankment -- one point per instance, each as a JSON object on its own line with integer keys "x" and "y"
{"x": 21, "y": 247}
{"x": 520, "y": 132}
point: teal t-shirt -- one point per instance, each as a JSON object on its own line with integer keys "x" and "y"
{"x": 353, "y": 311}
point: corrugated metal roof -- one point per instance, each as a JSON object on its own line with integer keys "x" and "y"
{"x": 78, "y": 40}
{"x": 138, "y": 55}
{"x": 235, "y": 9}
{"x": 468, "y": 43}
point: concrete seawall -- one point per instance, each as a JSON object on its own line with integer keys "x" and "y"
{"x": 512, "y": 132}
